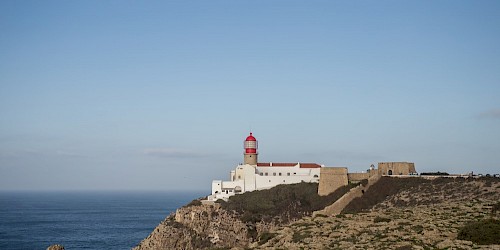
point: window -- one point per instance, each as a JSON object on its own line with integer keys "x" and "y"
{"x": 283, "y": 180}
{"x": 274, "y": 174}
{"x": 239, "y": 177}
{"x": 316, "y": 176}
{"x": 288, "y": 174}
{"x": 265, "y": 174}
{"x": 279, "y": 174}
{"x": 261, "y": 174}
{"x": 294, "y": 173}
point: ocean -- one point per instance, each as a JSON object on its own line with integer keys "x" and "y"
{"x": 84, "y": 220}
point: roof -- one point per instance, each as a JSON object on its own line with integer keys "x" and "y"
{"x": 282, "y": 164}
{"x": 250, "y": 138}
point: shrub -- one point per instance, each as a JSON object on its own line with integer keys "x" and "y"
{"x": 495, "y": 208}
{"x": 265, "y": 237}
{"x": 193, "y": 203}
{"x": 174, "y": 224}
{"x": 252, "y": 232}
{"x": 483, "y": 232}
{"x": 364, "y": 182}
{"x": 199, "y": 242}
{"x": 321, "y": 215}
{"x": 381, "y": 219}
{"x": 418, "y": 229}
{"x": 298, "y": 236}
{"x": 406, "y": 247}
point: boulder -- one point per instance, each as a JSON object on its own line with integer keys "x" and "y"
{"x": 55, "y": 247}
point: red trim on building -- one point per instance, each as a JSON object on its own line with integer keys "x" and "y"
{"x": 282, "y": 164}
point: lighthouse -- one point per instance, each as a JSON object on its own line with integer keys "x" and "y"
{"x": 250, "y": 153}
{"x": 253, "y": 175}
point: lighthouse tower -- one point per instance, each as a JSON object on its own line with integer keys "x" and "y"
{"x": 250, "y": 155}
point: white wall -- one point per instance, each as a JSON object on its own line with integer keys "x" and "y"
{"x": 249, "y": 178}
{"x": 225, "y": 189}
{"x": 265, "y": 182}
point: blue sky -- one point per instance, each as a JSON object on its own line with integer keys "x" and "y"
{"x": 161, "y": 94}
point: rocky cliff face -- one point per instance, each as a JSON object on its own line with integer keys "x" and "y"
{"x": 203, "y": 227}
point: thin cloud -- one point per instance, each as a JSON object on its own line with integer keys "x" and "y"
{"x": 171, "y": 153}
{"x": 68, "y": 154}
{"x": 490, "y": 114}
{"x": 37, "y": 153}
{"x": 19, "y": 153}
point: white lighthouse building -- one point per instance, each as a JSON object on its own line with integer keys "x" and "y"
{"x": 252, "y": 175}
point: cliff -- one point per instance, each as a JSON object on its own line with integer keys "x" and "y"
{"x": 395, "y": 213}
{"x": 198, "y": 227}
{"x": 243, "y": 220}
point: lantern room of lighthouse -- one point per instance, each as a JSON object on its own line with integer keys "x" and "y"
{"x": 250, "y": 155}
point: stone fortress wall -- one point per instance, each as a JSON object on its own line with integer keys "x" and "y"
{"x": 332, "y": 178}
{"x": 356, "y": 177}
{"x": 396, "y": 168}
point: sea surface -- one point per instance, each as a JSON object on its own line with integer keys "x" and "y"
{"x": 84, "y": 220}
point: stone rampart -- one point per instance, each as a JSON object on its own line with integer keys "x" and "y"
{"x": 396, "y": 168}
{"x": 331, "y": 178}
{"x": 358, "y": 176}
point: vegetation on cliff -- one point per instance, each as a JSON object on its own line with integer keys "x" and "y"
{"x": 387, "y": 187}
{"x": 482, "y": 232}
{"x": 409, "y": 213}
{"x": 485, "y": 231}
{"x": 382, "y": 189}
{"x": 281, "y": 203}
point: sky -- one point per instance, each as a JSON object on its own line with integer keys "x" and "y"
{"x": 159, "y": 95}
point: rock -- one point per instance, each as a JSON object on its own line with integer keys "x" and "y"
{"x": 445, "y": 244}
{"x": 203, "y": 227}
{"x": 55, "y": 247}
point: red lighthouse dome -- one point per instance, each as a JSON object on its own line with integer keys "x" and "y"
{"x": 250, "y": 145}
{"x": 250, "y": 138}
